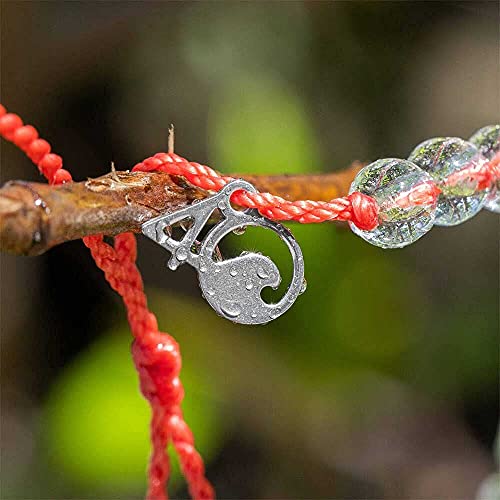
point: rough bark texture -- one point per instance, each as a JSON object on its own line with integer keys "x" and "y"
{"x": 35, "y": 217}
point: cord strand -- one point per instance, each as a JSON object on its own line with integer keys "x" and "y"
{"x": 358, "y": 208}
{"x": 156, "y": 355}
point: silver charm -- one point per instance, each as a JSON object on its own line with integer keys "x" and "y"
{"x": 233, "y": 286}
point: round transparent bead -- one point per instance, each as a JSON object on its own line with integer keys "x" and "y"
{"x": 407, "y": 200}
{"x": 455, "y": 165}
{"x": 487, "y": 140}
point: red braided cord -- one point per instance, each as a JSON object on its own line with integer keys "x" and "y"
{"x": 494, "y": 167}
{"x": 358, "y": 208}
{"x": 158, "y": 362}
{"x": 156, "y": 355}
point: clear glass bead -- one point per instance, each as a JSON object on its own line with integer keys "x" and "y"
{"x": 452, "y": 163}
{"x": 487, "y": 140}
{"x": 406, "y": 209}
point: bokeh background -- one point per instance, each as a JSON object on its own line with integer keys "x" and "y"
{"x": 382, "y": 381}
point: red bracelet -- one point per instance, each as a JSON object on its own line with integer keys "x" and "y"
{"x": 393, "y": 203}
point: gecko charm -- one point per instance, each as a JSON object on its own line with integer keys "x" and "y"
{"x": 232, "y": 286}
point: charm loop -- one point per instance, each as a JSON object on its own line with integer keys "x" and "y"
{"x": 233, "y": 286}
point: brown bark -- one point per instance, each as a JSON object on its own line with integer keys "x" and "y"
{"x": 35, "y": 217}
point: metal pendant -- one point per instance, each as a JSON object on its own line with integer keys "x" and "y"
{"x": 232, "y": 286}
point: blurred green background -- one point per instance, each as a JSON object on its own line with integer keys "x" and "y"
{"x": 382, "y": 381}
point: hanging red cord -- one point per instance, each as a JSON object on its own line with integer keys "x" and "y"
{"x": 156, "y": 354}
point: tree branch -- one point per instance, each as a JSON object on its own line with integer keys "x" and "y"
{"x": 35, "y": 217}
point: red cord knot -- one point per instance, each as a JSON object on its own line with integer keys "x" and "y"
{"x": 364, "y": 211}
{"x": 158, "y": 362}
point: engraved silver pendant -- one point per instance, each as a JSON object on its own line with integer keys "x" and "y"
{"x": 233, "y": 286}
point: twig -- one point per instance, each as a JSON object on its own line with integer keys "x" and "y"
{"x": 171, "y": 138}
{"x": 35, "y": 217}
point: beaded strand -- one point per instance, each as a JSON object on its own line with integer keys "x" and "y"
{"x": 464, "y": 176}
{"x": 392, "y": 203}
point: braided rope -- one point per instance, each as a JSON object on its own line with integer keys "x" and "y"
{"x": 156, "y": 355}
{"x": 358, "y": 208}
